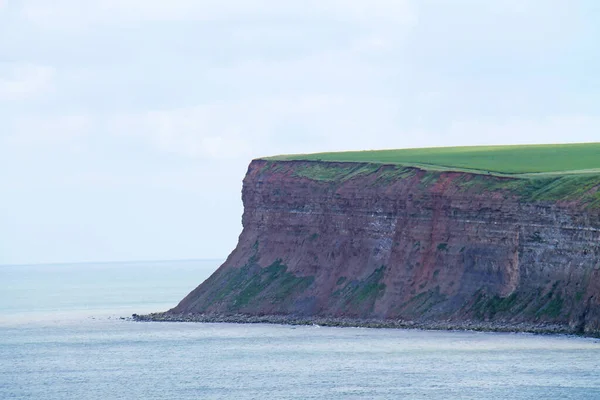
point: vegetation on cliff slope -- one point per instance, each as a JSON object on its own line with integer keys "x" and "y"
{"x": 251, "y": 285}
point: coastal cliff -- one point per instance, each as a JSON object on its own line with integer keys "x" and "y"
{"x": 402, "y": 246}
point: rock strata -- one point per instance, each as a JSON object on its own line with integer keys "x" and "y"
{"x": 350, "y": 244}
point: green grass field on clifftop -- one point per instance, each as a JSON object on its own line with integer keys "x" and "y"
{"x": 552, "y": 159}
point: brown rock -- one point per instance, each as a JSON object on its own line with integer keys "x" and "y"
{"x": 387, "y": 243}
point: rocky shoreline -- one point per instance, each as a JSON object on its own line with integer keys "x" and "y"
{"x": 479, "y": 326}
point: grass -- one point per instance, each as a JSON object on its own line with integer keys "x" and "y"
{"x": 558, "y": 172}
{"x": 547, "y": 306}
{"x": 360, "y": 295}
{"x": 273, "y": 280}
{"x": 584, "y": 188}
{"x": 324, "y": 173}
{"x": 504, "y": 160}
{"x": 422, "y": 302}
{"x": 241, "y": 287}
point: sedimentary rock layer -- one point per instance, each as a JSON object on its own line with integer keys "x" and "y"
{"x": 386, "y": 243}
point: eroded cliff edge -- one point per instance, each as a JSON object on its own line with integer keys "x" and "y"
{"x": 373, "y": 242}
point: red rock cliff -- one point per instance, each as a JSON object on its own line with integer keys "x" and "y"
{"x": 384, "y": 242}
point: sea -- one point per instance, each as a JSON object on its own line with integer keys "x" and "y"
{"x": 65, "y": 334}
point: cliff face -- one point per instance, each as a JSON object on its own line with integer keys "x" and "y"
{"x": 383, "y": 242}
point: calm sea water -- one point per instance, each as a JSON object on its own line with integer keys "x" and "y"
{"x": 61, "y": 337}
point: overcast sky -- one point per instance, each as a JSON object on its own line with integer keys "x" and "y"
{"x": 126, "y": 126}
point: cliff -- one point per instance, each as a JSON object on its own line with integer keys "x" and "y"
{"x": 361, "y": 241}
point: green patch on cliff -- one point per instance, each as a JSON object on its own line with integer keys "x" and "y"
{"x": 582, "y": 188}
{"x": 487, "y": 307}
{"x": 389, "y": 174}
{"x": 565, "y": 188}
{"x": 359, "y": 296}
{"x": 342, "y": 172}
{"x": 429, "y": 179}
{"x": 252, "y": 284}
{"x": 272, "y": 167}
{"x": 540, "y": 304}
{"x": 334, "y": 172}
{"x": 553, "y": 308}
{"x": 422, "y": 303}
{"x": 551, "y": 303}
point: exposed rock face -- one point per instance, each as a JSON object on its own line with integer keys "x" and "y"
{"x": 382, "y": 242}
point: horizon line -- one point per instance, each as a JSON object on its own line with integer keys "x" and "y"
{"x": 109, "y": 262}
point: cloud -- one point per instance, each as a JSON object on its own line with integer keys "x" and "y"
{"x": 151, "y": 102}
{"x": 41, "y": 131}
{"x": 258, "y": 127}
{"x": 24, "y": 81}
{"x": 304, "y": 124}
{"x": 196, "y": 132}
{"x": 77, "y": 13}
{"x": 565, "y": 128}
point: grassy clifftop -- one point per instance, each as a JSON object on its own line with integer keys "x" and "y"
{"x": 564, "y": 172}
{"x": 521, "y": 160}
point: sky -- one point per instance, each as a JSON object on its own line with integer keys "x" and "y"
{"x": 126, "y": 126}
